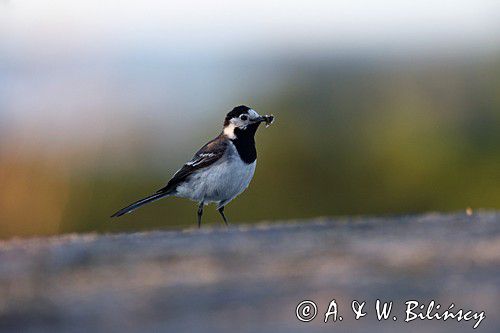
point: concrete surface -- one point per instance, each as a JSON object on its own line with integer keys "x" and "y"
{"x": 251, "y": 278}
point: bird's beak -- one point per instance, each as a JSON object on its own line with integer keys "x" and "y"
{"x": 264, "y": 119}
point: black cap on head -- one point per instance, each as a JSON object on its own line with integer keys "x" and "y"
{"x": 236, "y": 112}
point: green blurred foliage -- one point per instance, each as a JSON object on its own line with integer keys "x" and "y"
{"x": 350, "y": 138}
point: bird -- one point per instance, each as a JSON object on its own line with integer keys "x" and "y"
{"x": 220, "y": 170}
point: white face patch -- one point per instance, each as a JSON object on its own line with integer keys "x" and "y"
{"x": 253, "y": 114}
{"x": 229, "y": 130}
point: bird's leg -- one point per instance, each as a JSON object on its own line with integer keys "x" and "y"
{"x": 200, "y": 213}
{"x": 221, "y": 211}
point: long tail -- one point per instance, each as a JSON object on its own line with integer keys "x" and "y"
{"x": 139, "y": 203}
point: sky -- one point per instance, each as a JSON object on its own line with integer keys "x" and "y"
{"x": 77, "y": 65}
{"x": 244, "y": 26}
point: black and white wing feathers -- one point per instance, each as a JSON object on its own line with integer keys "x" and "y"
{"x": 206, "y": 156}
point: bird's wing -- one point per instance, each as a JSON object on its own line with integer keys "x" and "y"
{"x": 206, "y": 156}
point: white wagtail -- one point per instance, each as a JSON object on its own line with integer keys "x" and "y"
{"x": 221, "y": 170}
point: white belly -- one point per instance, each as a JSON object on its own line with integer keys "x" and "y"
{"x": 220, "y": 182}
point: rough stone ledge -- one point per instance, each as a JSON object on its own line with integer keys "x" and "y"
{"x": 250, "y": 278}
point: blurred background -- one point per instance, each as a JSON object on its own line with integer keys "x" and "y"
{"x": 383, "y": 107}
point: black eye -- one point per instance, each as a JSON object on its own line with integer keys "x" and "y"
{"x": 244, "y": 117}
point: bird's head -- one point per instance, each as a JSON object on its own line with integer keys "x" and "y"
{"x": 244, "y": 120}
